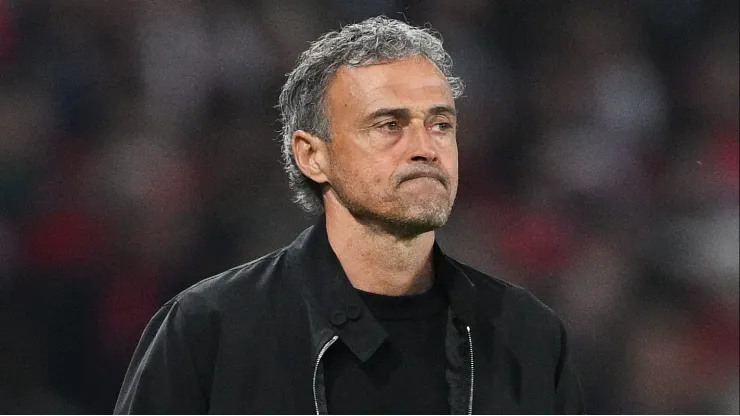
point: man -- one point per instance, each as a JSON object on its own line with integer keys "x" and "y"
{"x": 362, "y": 313}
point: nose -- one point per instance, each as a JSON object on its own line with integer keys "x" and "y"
{"x": 421, "y": 145}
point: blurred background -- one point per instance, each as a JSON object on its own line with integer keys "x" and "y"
{"x": 599, "y": 169}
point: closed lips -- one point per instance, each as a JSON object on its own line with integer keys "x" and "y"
{"x": 425, "y": 174}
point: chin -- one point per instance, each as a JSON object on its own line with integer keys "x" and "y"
{"x": 409, "y": 229}
{"x": 405, "y": 218}
{"x": 411, "y": 224}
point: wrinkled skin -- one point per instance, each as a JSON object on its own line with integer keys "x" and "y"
{"x": 392, "y": 161}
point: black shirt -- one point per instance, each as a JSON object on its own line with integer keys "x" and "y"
{"x": 406, "y": 375}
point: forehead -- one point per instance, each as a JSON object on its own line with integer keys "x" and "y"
{"x": 413, "y": 83}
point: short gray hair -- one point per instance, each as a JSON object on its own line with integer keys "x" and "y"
{"x": 372, "y": 41}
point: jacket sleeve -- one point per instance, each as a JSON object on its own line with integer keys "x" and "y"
{"x": 162, "y": 376}
{"x": 568, "y": 394}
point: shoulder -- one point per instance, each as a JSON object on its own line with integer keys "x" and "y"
{"x": 507, "y": 302}
{"x": 236, "y": 287}
{"x": 530, "y": 328}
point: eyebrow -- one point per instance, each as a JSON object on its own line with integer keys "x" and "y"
{"x": 405, "y": 113}
{"x": 442, "y": 109}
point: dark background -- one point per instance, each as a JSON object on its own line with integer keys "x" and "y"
{"x": 599, "y": 169}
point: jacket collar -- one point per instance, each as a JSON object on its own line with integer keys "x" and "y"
{"x": 458, "y": 286}
{"x": 335, "y": 305}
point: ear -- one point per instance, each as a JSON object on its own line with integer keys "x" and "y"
{"x": 310, "y": 154}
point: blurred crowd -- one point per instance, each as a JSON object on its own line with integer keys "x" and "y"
{"x": 599, "y": 169}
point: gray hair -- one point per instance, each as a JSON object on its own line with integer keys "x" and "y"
{"x": 372, "y": 41}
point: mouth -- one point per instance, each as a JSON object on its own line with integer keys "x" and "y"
{"x": 421, "y": 178}
{"x": 439, "y": 177}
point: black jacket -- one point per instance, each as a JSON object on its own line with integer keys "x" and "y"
{"x": 250, "y": 340}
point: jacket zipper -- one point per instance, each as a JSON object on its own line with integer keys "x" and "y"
{"x": 472, "y": 371}
{"x": 334, "y": 339}
{"x": 316, "y": 369}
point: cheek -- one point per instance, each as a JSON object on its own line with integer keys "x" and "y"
{"x": 375, "y": 170}
{"x": 378, "y": 178}
{"x": 360, "y": 178}
{"x": 450, "y": 162}
{"x": 364, "y": 172}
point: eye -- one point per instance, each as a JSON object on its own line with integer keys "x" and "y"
{"x": 390, "y": 126}
{"x": 442, "y": 127}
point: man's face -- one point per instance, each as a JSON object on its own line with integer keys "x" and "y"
{"x": 393, "y": 149}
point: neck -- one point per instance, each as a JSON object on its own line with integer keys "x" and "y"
{"x": 376, "y": 261}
